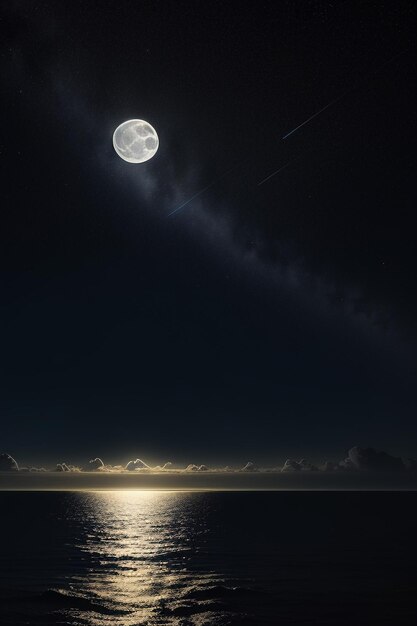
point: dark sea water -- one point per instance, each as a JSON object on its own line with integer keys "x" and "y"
{"x": 186, "y": 559}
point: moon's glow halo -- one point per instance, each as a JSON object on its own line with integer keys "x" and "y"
{"x": 135, "y": 141}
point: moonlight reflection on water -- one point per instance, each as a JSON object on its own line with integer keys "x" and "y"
{"x": 140, "y": 543}
{"x": 215, "y": 559}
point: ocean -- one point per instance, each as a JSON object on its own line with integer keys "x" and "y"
{"x": 209, "y": 558}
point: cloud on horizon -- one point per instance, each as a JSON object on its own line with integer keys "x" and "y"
{"x": 94, "y": 465}
{"x": 65, "y": 467}
{"x": 7, "y": 463}
{"x": 358, "y": 460}
{"x": 370, "y": 459}
{"x": 136, "y": 465}
{"x": 196, "y": 468}
{"x": 249, "y": 467}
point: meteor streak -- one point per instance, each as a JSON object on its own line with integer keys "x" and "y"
{"x": 315, "y": 115}
{"x": 291, "y": 132}
{"x": 345, "y": 93}
{"x": 273, "y": 173}
{"x": 184, "y": 204}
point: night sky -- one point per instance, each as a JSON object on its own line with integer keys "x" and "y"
{"x": 259, "y": 321}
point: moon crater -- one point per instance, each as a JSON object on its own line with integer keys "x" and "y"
{"x": 135, "y": 141}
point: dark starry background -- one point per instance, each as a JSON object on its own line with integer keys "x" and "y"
{"x": 258, "y": 322}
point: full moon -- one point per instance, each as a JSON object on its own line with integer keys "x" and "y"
{"x": 135, "y": 141}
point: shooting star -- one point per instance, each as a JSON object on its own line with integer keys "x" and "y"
{"x": 274, "y": 173}
{"x": 316, "y": 114}
{"x": 291, "y": 132}
{"x": 345, "y": 93}
{"x": 184, "y": 204}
